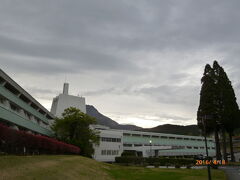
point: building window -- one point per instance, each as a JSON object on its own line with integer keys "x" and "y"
{"x": 171, "y": 137}
{"x": 2, "y": 100}
{"x": 195, "y": 147}
{"x": 103, "y": 152}
{"x": 179, "y": 138}
{"x": 107, "y": 139}
{"x": 136, "y": 135}
{"x": 127, "y": 145}
{"x": 109, "y": 152}
{"x": 146, "y": 136}
{"x": 189, "y": 147}
{"x": 37, "y": 120}
{"x": 14, "y": 108}
{"x": 164, "y": 137}
{"x": 137, "y": 145}
{"x": 11, "y": 88}
{"x": 27, "y": 115}
{"x": 1, "y": 80}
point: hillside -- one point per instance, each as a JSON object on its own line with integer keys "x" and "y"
{"x": 166, "y": 128}
{"x": 106, "y": 121}
{"x": 176, "y": 129}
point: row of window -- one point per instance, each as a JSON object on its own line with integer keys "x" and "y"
{"x": 22, "y": 112}
{"x": 195, "y": 147}
{"x": 164, "y": 137}
{"x": 107, "y": 139}
{"x": 109, "y": 152}
{"x": 175, "y": 147}
{"x": 24, "y": 98}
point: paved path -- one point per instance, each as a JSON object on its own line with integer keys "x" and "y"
{"x": 233, "y": 172}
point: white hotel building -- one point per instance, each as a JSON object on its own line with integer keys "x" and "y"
{"x": 147, "y": 144}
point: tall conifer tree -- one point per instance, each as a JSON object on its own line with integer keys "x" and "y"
{"x": 218, "y": 106}
{"x": 208, "y": 107}
{"x": 230, "y": 111}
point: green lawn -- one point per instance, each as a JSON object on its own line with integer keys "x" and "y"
{"x": 77, "y": 167}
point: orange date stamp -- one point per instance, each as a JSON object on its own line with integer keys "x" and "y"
{"x": 208, "y": 162}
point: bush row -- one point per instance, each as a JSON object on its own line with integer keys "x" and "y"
{"x": 155, "y": 161}
{"x": 20, "y": 142}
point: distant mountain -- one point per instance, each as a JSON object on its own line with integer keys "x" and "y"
{"x": 192, "y": 130}
{"x": 166, "y": 128}
{"x": 106, "y": 121}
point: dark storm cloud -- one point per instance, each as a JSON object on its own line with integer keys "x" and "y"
{"x": 148, "y": 48}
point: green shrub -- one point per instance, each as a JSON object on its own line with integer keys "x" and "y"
{"x": 128, "y": 153}
{"x": 214, "y": 166}
{"x": 154, "y": 161}
{"x": 177, "y": 166}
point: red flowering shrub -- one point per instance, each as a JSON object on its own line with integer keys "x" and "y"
{"x": 19, "y": 142}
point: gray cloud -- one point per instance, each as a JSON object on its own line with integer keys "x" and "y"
{"x": 121, "y": 53}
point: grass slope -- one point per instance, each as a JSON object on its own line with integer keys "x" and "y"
{"x": 77, "y": 167}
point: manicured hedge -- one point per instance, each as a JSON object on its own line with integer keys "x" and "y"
{"x": 20, "y": 142}
{"x": 155, "y": 161}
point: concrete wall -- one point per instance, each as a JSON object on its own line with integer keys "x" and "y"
{"x": 64, "y": 101}
{"x": 112, "y": 149}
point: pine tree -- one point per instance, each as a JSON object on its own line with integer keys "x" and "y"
{"x": 220, "y": 86}
{"x": 218, "y": 106}
{"x": 208, "y": 107}
{"x": 230, "y": 110}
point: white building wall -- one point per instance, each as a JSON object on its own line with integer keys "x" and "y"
{"x": 147, "y": 150}
{"x": 64, "y": 101}
{"x": 106, "y": 151}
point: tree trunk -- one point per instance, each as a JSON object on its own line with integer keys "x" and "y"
{"x": 231, "y": 147}
{"x": 218, "y": 148}
{"x": 224, "y": 146}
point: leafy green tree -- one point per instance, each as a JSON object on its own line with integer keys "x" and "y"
{"x": 73, "y": 128}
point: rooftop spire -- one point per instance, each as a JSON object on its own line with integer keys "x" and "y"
{"x": 65, "y": 88}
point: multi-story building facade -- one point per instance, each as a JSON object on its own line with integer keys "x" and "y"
{"x": 110, "y": 144}
{"x": 148, "y": 144}
{"x": 20, "y": 110}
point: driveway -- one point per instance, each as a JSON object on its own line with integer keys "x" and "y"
{"x": 233, "y": 172}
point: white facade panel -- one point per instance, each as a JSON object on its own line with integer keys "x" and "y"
{"x": 64, "y": 101}
{"x": 110, "y": 146}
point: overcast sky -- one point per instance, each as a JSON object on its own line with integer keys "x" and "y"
{"x": 138, "y": 62}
